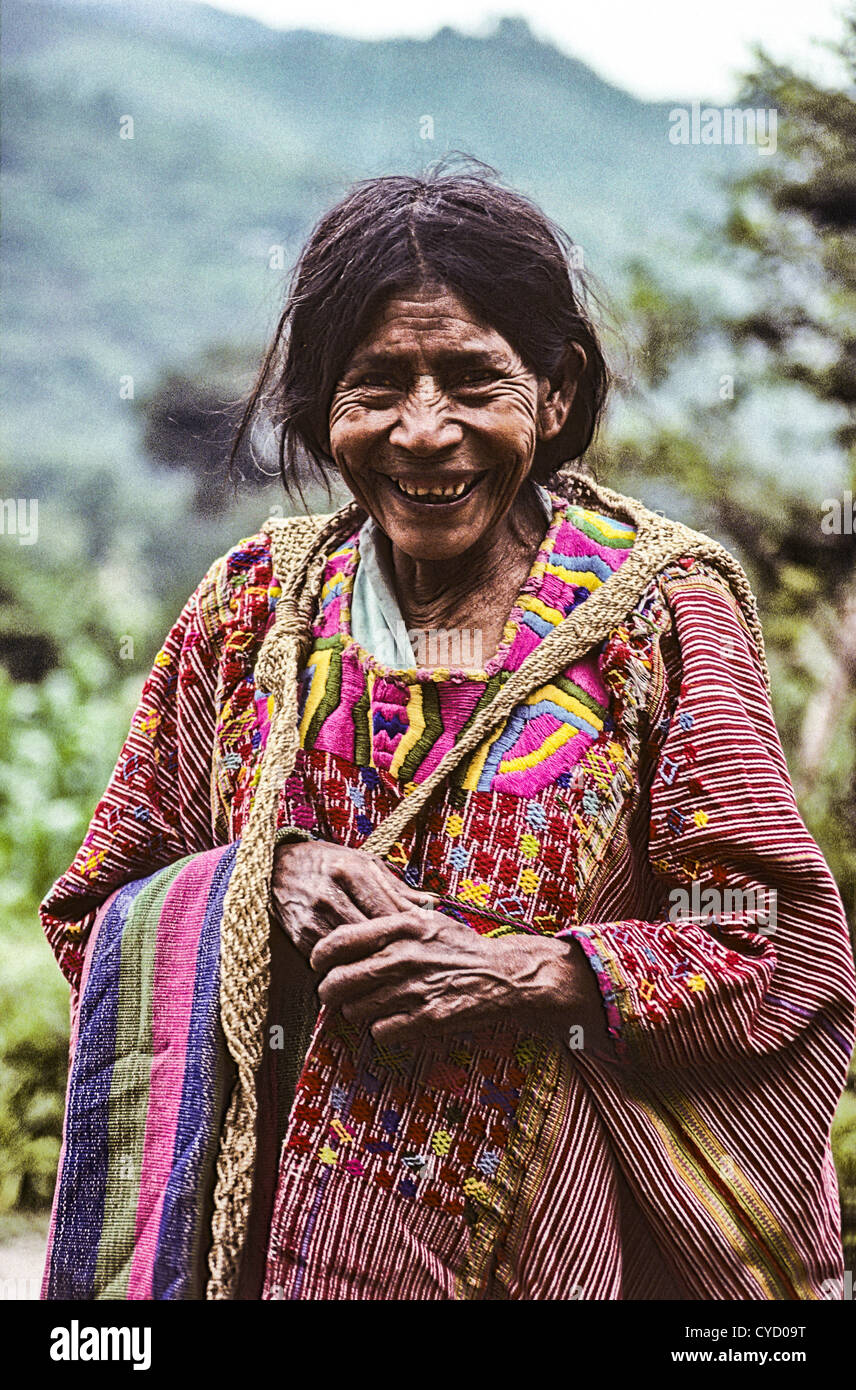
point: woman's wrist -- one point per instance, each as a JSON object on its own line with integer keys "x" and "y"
{"x": 553, "y": 981}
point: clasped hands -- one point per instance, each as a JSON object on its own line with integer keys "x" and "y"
{"x": 387, "y": 958}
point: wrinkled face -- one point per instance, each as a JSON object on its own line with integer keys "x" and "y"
{"x": 434, "y": 424}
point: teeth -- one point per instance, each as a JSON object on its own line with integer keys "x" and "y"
{"x": 452, "y": 490}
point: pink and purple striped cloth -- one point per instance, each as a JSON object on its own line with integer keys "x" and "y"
{"x": 146, "y": 1092}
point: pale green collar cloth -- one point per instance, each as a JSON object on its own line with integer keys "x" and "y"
{"x": 376, "y": 621}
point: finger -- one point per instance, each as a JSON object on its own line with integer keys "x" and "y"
{"x": 336, "y": 907}
{"x": 375, "y": 889}
{"x": 388, "y": 968}
{"x": 421, "y": 897}
{"x": 321, "y": 896}
{"x": 359, "y": 940}
{"x": 398, "y": 1028}
{"x": 411, "y": 890}
{"x": 376, "y": 896}
{"x": 380, "y": 1003}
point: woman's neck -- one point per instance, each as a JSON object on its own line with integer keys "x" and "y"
{"x": 477, "y": 588}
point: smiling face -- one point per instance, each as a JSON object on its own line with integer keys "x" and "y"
{"x": 434, "y": 423}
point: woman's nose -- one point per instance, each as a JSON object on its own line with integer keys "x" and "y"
{"x": 423, "y": 425}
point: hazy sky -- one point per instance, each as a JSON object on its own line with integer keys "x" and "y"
{"x": 655, "y": 48}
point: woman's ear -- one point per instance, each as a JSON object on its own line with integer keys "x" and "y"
{"x": 556, "y": 397}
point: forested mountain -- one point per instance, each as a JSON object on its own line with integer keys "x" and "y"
{"x": 122, "y": 255}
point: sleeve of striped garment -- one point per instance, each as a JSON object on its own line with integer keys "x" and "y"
{"x": 156, "y": 808}
{"x": 751, "y": 954}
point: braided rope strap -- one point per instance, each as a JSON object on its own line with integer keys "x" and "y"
{"x": 300, "y": 546}
{"x": 245, "y": 944}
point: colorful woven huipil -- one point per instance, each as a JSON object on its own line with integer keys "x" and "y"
{"x": 685, "y": 1156}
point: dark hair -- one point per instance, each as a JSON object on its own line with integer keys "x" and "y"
{"x": 493, "y": 247}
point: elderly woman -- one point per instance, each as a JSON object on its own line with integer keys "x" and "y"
{"x": 512, "y": 977}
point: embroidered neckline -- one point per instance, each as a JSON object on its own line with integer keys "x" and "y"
{"x": 347, "y": 558}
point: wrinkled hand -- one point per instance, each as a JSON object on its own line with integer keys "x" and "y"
{"x": 316, "y": 886}
{"x": 418, "y": 972}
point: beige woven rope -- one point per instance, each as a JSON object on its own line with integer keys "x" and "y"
{"x": 245, "y": 948}
{"x": 300, "y": 546}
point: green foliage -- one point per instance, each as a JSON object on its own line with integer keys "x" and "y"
{"x": 794, "y": 224}
{"x": 58, "y": 740}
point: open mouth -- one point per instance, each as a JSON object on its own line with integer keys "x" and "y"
{"x": 445, "y": 495}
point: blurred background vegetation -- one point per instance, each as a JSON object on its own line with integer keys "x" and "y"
{"x": 143, "y": 275}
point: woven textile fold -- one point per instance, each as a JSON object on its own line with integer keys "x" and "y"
{"x": 145, "y": 1094}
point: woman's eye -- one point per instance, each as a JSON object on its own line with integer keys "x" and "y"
{"x": 383, "y": 383}
{"x": 476, "y": 378}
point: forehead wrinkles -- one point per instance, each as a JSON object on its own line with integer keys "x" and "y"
{"x": 415, "y": 332}
{"x": 420, "y": 344}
